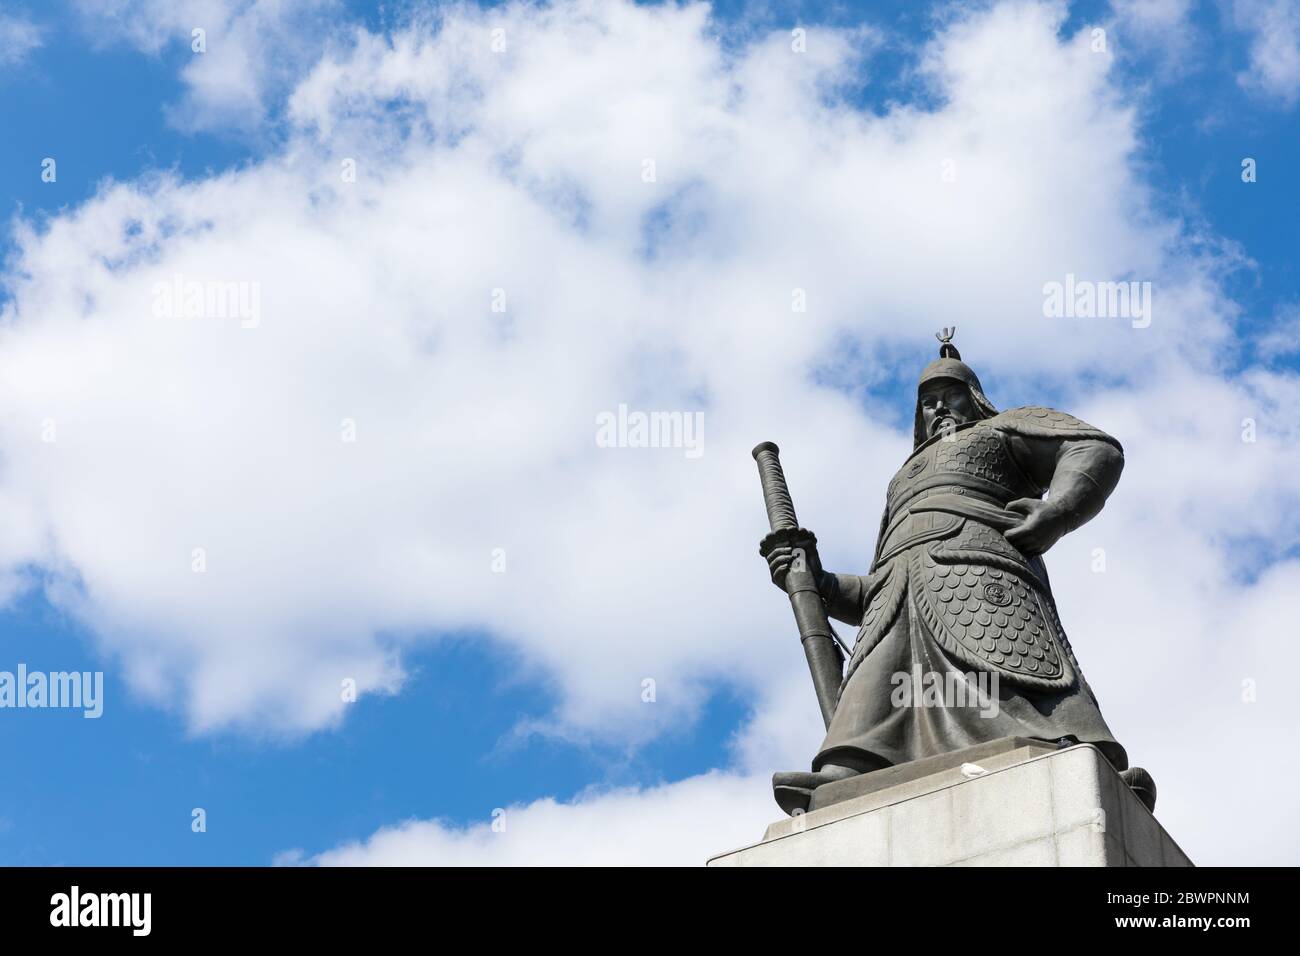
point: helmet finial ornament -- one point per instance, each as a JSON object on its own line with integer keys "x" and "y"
{"x": 946, "y": 348}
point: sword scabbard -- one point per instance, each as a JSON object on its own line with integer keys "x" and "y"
{"x": 825, "y": 662}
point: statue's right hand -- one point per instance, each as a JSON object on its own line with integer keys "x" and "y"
{"x": 782, "y": 557}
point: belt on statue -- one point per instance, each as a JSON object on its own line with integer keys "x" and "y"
{"x": 967, "y": 506}
{"x": 925, "y": 521}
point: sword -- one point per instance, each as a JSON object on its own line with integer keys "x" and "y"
{"x": 825, "y": 661}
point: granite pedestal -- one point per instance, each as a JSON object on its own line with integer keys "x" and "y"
{"x": 1012, "y": 802}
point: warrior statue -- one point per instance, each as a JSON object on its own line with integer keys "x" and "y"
{"x": 957, "y": 587}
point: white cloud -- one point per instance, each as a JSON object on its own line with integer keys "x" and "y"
{"x": 523, "y": 171}
{"x": 1160, "y": 33}
{"x": 1153, "y": 17}
{"x": 678, "y": 824}
{"x": 253, "y": 50}
{"x": 1283, "y": 335}
{"x": 18, "y": 38}
{"x": 1274, "y": 30}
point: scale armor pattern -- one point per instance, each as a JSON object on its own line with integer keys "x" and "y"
{"x": 991, "y": 618}
{"x": 979, "y": 452}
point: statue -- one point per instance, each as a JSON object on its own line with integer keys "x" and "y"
{"x": 957, "y": 590}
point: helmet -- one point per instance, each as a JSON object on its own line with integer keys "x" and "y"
{"x": 950, "y": 366}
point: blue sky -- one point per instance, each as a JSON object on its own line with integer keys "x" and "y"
{"x": 120, "y": 789}
{"x": 448, "y": 745}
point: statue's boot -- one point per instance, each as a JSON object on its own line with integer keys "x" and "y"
{"x": 793, "y": 788}
{"x": 1142, "y": 784}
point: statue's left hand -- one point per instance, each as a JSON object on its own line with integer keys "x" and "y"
{"x": 1040, "y": 529}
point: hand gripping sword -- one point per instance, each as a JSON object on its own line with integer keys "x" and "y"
{"x": 824, "y": 658}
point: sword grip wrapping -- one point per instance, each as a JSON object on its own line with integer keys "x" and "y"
{"x": 776, "y": 495}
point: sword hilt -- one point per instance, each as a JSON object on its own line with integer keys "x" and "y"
{"x": 776, "y": 494}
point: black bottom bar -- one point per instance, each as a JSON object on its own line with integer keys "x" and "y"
{"x": 302, "y": 905}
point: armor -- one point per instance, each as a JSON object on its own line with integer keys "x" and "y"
{"x": 987, "y": 604}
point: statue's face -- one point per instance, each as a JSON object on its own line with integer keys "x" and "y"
{"x": 945, "y": 403}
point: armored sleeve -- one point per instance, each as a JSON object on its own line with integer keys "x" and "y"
{"x": 1035, "y": 421}
{"x": 1076, "y": 464}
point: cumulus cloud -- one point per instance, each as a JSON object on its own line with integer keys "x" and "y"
{"x": 1160, "y": 32}
{"x": 245, "y": 55}
{"x": 468, "y": 250}
{"x": 18, "y": 38}
{"x": 1283, "y": 335}
{"x": 678, "y": 824}
{"x": 1273, "y": 27}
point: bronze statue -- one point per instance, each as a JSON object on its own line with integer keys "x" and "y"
{"x": 957, "y": 589}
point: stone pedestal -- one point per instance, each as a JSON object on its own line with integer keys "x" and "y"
{"x": 1013, "y": 802}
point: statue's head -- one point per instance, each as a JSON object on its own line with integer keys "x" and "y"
{"x": 948, "y": 394}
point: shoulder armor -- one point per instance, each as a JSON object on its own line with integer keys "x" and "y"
{"x": 1035, "y": 421}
